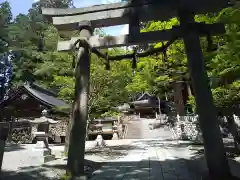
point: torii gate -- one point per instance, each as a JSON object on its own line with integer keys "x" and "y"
{"x": 85, "y": 19}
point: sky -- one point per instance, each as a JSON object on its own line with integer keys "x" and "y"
{"x": 22, "y": 6}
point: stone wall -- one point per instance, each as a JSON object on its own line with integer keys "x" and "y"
{"x": 23, "y": 134}
{"x": 59, "y": 129}
{"x": 187, "y": 128}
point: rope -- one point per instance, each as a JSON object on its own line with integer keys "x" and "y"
{"x": 81, "y": 42}
{"x": 132, "y": 56}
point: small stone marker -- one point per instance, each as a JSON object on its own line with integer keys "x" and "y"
{"x": 100, "y": 141}
{"x": 115, "y": 136}
{"x": 178, "y": 117}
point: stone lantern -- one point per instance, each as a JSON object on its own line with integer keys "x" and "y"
{"x": 41, "y": 135}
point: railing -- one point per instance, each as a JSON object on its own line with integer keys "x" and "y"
{"x": 188, "y": 128}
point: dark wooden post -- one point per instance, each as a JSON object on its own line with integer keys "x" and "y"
{"x": 213, "y": 144}
{"x": 80, "y": 109}
{"x": 2, "y": 146}
{"x": 4, "y": 129}
{"x": 178, "y": 97}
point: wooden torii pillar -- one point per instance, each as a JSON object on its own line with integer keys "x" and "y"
{"x": 132, "y": 12}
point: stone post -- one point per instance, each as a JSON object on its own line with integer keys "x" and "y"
{"x": 213, "y": 143}
{"x": 80, "y": 108}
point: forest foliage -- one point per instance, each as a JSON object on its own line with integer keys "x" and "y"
{"x": 34, "y": 42}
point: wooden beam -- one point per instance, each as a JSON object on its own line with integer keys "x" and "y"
{"x": 117, "y": 41}
{"x": 142, "y": 38}
{"x": 118, "y": 13}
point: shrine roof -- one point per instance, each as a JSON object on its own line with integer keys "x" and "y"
{"x": 147, "y": 99}
{"x": 45, "y": 97}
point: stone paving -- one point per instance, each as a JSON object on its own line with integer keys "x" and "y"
{"x": 156, "y": 157}
{"x": 150, "y": 159}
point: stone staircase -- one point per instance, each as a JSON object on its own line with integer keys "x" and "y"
{"x": 140, "y": 129}
{"x": 133, "y": 130}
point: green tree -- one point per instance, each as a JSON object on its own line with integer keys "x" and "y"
{"x": 56, "y": 3}
{"x": 5, "y": 21}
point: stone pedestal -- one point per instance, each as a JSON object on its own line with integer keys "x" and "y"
{"x": 115, "y": 136}
{"x": 57, "y": 139}
{"x": 100, "y": 141}
{"x": 41, "y": 149}
{"x": 43, "y": 154}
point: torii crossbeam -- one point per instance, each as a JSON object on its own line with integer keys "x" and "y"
{"x": 132, "y": 12}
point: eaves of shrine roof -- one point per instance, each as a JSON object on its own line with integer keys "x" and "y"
{"x": 45, "y": 97}
{"x": 142, "y": 97}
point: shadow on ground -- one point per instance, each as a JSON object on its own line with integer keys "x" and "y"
{"x": 229, "y": 147}
{"x": 187, "y": 169}
{"x": 191, "y": 168}
{"x": 114, "y": 152}
{"x": 13, "y": 147}
{"x": 31, "y": 173}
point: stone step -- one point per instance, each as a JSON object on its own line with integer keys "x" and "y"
{"x": 49, "y": 158}
{"x": 47, "y": 152}
{"x": 134, "y": 130}
{"x": 58, "y": 154}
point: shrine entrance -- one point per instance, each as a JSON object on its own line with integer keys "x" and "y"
{"x": 132, "y": 13}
